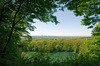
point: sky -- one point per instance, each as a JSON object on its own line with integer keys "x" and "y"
{"x": 69, "y": 25}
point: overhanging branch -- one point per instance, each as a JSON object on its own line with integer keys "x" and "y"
{"x": 19, "y": 20}
{"x": 98, "y": 3}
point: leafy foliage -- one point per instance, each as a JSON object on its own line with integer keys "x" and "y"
{"x": 87, "y": 8}
{"x": 96, "y": 30}
{"x": 17, "y": 17}
{"x": 88, "y": 51}
{"x": 58, "y": 45}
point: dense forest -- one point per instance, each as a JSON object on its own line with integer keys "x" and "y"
{"x": 17, "y": 17}
{"x": 77, "y": 51}
{"x": 54, "y": 45}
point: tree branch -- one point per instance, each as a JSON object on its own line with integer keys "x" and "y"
{"x": 98, "y": 3}
{"x": 4, "y": 5}
{"x": 7, "y": 2}
{"x": 16, "y": 13}
{"x": 11, "y": 32}
{"x": 8, "y": 10}
{"x": 19, "y": 20}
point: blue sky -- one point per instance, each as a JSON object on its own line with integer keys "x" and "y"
{"x": 69, "y": 25}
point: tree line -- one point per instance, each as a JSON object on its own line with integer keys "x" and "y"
{"x": 53, "y": 45}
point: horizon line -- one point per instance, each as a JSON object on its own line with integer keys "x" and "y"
{"x": 57, "y": 35}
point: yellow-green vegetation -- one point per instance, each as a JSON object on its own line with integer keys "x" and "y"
{"x": 73, "y": 52}
{"x": 57, "y": 45}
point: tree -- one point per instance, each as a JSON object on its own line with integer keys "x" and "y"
{"x": 16, "y": 16}
{"x": 96, "y": 30}
{"x": 90, "y": 9}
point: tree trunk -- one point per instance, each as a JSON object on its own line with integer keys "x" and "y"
{"x": 0, "y": 20}
{"x": 5, "y": 48}
{"x": 11, "y": 32}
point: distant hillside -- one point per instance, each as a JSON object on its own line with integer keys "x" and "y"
{"x": 56, "y": 37}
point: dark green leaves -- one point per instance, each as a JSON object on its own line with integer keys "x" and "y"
{"x": 90, "y": 9}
